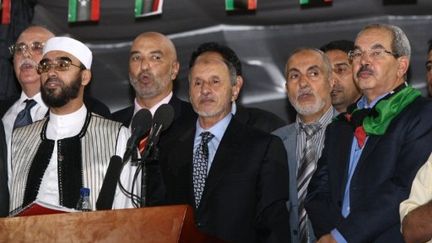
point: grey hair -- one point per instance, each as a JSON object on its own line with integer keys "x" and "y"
{"x": 400, "y": 43}
{"x": 327, "y": 64}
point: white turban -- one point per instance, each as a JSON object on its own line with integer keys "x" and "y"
{"x": 71, "y": 46}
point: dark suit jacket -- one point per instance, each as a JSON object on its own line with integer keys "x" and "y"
{"x": 184, "y": 118}
{"x": 246, "y": 189}
{"x": 382, "y": 178}
{"x": 260, "y": 119}
{"x": 4, "y": 192}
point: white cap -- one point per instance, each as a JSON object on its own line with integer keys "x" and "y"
{"x": 71, "y": 46}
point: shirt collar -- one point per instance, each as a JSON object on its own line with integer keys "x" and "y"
{"x": 153, "y": 109}
{"x": 66, "y": 125}
{"x": 363, "y": 103}
{"x": 37, "y": 97}
{"x": 324, "y": 120}
{"x": 217, "y": 129}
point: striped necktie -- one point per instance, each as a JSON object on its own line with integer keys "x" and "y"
{"x": 24, "y": 117}
{"x": 200, "y": 163}
{"x": 306, "y": 168}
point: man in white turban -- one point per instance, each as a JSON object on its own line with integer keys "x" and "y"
{"x": 52, "y": 159}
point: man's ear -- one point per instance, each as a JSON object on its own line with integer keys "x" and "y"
{"x": 85, "y": 77}
{"x": 403, "y": 66}
{"x": 237, "y": 87}
{"x": 175, "y": 70}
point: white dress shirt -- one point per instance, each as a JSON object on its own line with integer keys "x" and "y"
{"x": 37, "y": 113}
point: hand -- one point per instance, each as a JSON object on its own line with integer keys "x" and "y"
{"x": 328, "y": 238}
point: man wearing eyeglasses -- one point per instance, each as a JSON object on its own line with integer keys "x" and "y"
{"x": 372, "y": 152}
{"x": 53, "y": 158}
{"x": 344, "y": 91}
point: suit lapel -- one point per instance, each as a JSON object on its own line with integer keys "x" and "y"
{"x": 370, "y": 145}
{"x": 227, "y": 152}
{"x": 345, "y": 137}
{"x": 181, "y": 158}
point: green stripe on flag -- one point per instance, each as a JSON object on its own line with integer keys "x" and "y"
{"x": 229, "y": 5}
{"x": 304, "y": 2}
{"x": 138, "y": 7}
{"x": 72, "y": 13}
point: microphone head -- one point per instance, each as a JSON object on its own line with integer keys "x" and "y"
{"x": 141, "y": 122}
{"x": 164, "y": 116}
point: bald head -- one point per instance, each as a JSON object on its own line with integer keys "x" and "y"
{"x": 153, "y": 67}
{"x": 27, "y": 54}
{"x": 164, "y": 42}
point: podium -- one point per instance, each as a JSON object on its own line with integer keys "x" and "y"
{"x": 153, "y": 224}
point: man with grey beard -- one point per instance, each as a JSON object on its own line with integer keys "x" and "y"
{"x": 308, "y": 85}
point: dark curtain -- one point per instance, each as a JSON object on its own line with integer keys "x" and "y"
{"x": 21, "y": 16}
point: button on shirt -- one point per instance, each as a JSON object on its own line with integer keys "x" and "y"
{"x": 356, "y": 152}
{"x": 218, "y": 131}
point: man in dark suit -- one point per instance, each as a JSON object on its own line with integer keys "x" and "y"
{"x": 4, "y": 191}
{"x": 234, "y": 176}
{"x": 255, "y": 117}
{"x": 373, "y": 151}
{"x": 310, "y": 96}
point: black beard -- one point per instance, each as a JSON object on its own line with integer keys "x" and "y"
{"x": 67, "y": 93}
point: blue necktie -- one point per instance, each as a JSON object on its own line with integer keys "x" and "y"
{"x": 24, "y": 118}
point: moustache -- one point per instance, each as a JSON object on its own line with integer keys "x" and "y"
{"x": 302, "y": 92}
{"x": 53, "y": 80}
{"x": 27, "y": 62}
{"x": 364, "y": 68}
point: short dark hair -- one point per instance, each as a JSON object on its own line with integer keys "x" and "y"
{"x": 342, "y": 45}
{"x": 429, "y": 46}
{"x": 227, "y": 54}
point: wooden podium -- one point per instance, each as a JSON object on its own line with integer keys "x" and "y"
{"x": 152, "y": 224}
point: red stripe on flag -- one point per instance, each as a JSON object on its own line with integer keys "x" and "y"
{"x": 95, "y": 10}
{"x": 6, "y": 12}
{"x": 155, "y": 5}
{"x": 252, "y": 4}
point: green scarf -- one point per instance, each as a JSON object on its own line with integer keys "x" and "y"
{"x": 388, "y": 109}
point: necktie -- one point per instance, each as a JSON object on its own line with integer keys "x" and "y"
{"x": 200, "y": 162}
{"x": 306, "y": 168}
{"x": 24, "y": 118}
{"x": 142, "y": 144}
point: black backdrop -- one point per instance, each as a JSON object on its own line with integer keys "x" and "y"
{"x": 263, "y": 39}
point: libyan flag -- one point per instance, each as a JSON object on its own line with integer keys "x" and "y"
{"x": 148, "y": 7}
{"x": 5, "y": 11}
{"x": 84, "y": 10}
{"x": 240, "y": 5}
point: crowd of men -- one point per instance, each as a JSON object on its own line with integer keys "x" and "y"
{"x": 354, "y": 166}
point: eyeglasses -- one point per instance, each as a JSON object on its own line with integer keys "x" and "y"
{"x": 19, "y": 48}
{"x": 373, "y": 54}
{"x": 61, "y": 64}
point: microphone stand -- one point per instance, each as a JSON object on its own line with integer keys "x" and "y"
{"x": 151, "y": 153}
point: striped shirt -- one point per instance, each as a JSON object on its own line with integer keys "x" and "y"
{"x": 317, "y": 139}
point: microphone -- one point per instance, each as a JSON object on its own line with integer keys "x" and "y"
{"x": 162, "y": 119}
{"x": 141, "y": 123}
{"x": 106, "y": 194}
